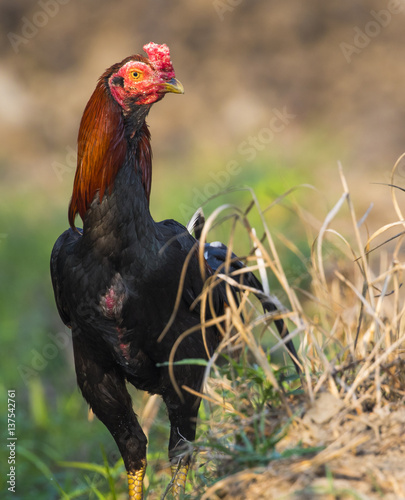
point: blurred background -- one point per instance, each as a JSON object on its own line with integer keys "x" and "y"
{"x": 277, "y": 93}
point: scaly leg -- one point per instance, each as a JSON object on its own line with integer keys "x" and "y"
{"x": 179, "y": 477}
{"x": 135, "y": 483}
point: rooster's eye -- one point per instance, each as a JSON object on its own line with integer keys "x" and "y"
{"x": 136, "y": 75}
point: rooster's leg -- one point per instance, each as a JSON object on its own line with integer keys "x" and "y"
{"x": 104, "y": 388}
{"x": 179, "y": 477}
{"x": 183, "y": 420}
{"x": 135, "y": 483}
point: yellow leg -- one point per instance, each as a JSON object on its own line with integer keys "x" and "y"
{"x": 135, "y": 483}
{"x": 179, "y": 475}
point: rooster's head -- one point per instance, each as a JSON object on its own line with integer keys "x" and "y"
{"x": 139, "y": 80}
{"x": 115, "y": 113}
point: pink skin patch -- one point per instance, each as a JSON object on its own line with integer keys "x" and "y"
{"x": 136, "y": 79}
{"x": 112, "y": 304}
{"x": 123, "y": 347}
{"x": 140, "y": 82}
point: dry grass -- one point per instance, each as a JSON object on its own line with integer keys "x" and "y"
{"x": 338, "y": 430}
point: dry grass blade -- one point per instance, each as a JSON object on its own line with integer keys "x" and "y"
{"x": 353, "y": 293}
{"x": 393, "y": 193}
{"x": 331, "y": 215}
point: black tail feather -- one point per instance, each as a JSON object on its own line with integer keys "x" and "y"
{"x": 216, "y": 256}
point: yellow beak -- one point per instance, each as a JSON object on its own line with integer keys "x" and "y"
{"x": 174, "y": 86}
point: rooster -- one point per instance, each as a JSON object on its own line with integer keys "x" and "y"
{"x": 116, "y": 281}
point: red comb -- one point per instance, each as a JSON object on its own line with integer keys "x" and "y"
{"x": 159, "y": 56}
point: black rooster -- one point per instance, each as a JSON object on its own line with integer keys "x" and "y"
{"x": 116, "y": 281}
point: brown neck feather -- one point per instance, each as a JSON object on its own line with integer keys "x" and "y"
{"x": 102, "y": 148}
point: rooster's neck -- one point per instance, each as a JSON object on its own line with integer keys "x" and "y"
{"x": 108, "y": 142}
{"x": 122, "y": 220}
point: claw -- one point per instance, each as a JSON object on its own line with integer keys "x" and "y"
{"x": 179, "y": 476}
{"x": 135, "y": 483}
